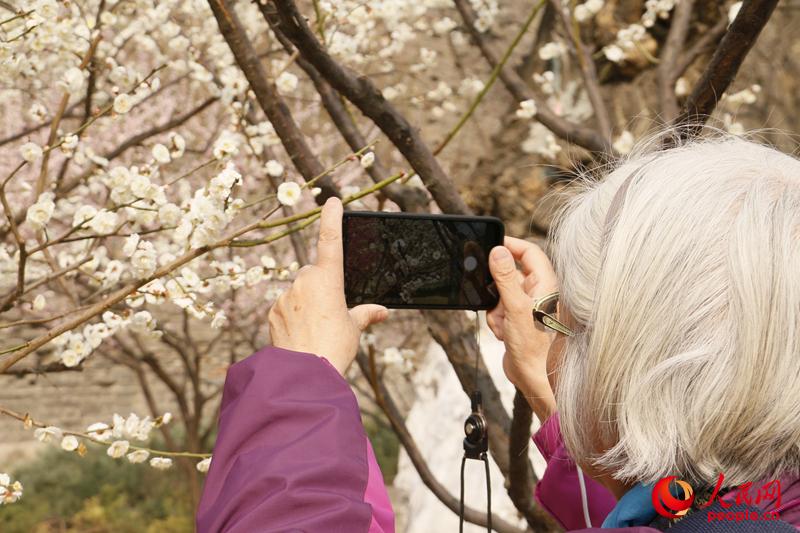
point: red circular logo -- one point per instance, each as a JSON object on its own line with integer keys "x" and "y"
{"x": 666, "y": 503}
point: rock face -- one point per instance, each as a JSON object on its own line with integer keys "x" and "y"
{"x": 436, "y": 421}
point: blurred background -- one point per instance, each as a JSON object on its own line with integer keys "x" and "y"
{"x": 161, "y": 162}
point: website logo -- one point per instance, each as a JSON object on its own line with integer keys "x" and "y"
{"x": 669, "y": 505}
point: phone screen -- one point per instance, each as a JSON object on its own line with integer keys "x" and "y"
{"x": 419, "y": 261}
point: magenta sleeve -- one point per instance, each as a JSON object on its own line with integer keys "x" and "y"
{"x": 291, "y": 452}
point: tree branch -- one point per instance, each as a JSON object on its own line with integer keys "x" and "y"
{"x": 521, "y": 478}
{"x": 408, "y": 199}
{"x": 703, "y": 44}
{"x": 270, "y": 100}
{"x": 673, "y": 46}
{"x": 368, "y": 98}
{"x": 725, "y": 63}
{"x": 519, "y": 90}
{"x": 587, "y": 68}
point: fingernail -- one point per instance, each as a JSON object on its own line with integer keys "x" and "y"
{"x": 500, "y": 253}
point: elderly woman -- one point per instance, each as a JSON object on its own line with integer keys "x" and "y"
{"x": 673, "y": 350}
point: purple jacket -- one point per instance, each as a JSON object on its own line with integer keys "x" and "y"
{"x": 292, "y": 455}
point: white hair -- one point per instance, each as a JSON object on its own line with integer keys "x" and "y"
{"x": 687, "y": 305}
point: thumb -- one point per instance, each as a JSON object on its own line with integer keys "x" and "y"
{"x": 368, "y": 314}
{"x": 504, "y": 272}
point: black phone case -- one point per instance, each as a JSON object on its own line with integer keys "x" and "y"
{"x": 427, "y": 216}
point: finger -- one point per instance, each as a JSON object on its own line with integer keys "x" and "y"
{"x": 495, "y": 326}
{"x": 329, "y": 245}
{"x": 527, "y": 253}
{"x": 533, "y": 261}
{"x": 517, "y": 247}
{"x": 530, "y": 283}
{"x": 497, "y": 313}
{"x": 367, "y": 314}
{"x": 504, "y": 272}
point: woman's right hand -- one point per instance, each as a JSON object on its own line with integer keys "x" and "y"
{"x": 527, "y": 346}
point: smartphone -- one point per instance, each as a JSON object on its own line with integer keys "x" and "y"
{"x": 419, "y": 261}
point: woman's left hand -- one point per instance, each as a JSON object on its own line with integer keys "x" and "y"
{"x": 312, "y": 315}
{"x": 527, "y": 346}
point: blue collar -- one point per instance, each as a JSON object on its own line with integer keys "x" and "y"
{"x": 635, "y": 508}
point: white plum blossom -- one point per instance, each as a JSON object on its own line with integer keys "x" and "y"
{"x": 82, "y": 214}
{"x": 286, "y": 82}
{"x": 177, "y": 145}
{"x": 69, "y": 143}
{"x": 551, "y": 50}
{"x": 169, "y": 214}
{"x": 104, "y": 221}
{"x": 624, "y": 143}
{"x": 122, "y": 103}
{"x": 745, "y": 96}
{"x": 48, "y": 434}
{"x": 70, "y": 358}
{"x": 69, "y": 443}
{"x": 123, "y": 76}
{"x": 143, "y": 260}
{"x": 582, "y": 13}
{"x": 161, "y": 154}
{"x": 219, "y": 320}
{"x": 274, "y": 168}
{"x": 118, "y": 448}
{"x": 203, "y": 465}
{"x": 100, "y": 431}
{"x": 289, "y": 193}
{"x": 142, "y": 322}
{"x": 681, "y": 87}
{"x": 470, "y": 87}
{"x": 541, "y": 141}
{"x": 37, "y": 112}
{"x": 527, "y": 109}
{"x": 220, "y": 188}
{"x": 131, "y": 243}
{"x": 138, "y": 456}
{"x": 72, "y": 80}
{"x": 614, "y": 53}
{"x": 227, "y": 145}
{"x": 161, "y": 463}
{"x": 30, "y": 152}
{"x": 367, "y": 159}
{"x": 140, "y": 185}
{"x": 39, "y": 302}
{"x": 587, "y": 10}
{"x": 39, "y": 214}
{"x": 132, "y": 428}
{"x": 12, "y": 492}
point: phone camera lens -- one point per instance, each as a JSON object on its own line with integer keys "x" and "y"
{"x": 470, "y": 263}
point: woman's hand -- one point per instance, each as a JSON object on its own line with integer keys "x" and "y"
{"x": 527, "y": 346}
{"x": 312, "y": 315}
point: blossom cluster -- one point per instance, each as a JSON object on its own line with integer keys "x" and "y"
{"x": 118, "y": 435}
{"x": 9, "y": 492}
